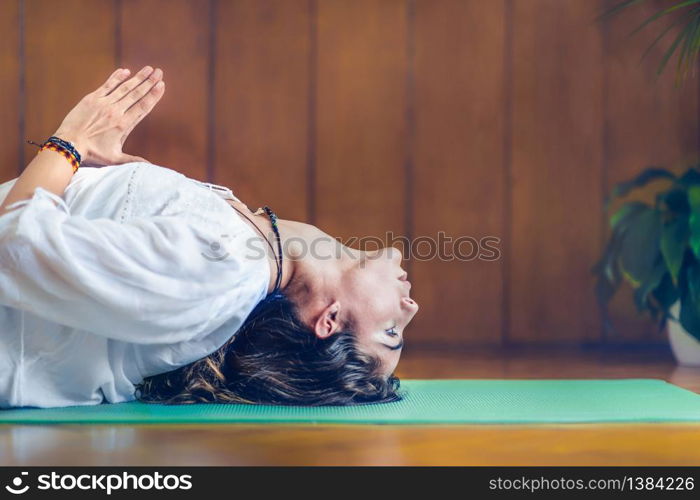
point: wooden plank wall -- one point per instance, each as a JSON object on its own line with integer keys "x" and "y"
{"x": 459, "y": 154}
{"x": 11, "y": 123}
{"x": 508, "y": 119}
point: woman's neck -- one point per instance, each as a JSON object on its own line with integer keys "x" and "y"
{"x": 310, "y": 255}
{"x": 261, "y": 224}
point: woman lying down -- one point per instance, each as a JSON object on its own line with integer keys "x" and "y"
{"x": 133, "y": 281}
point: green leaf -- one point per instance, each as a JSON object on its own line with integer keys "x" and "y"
{"x": 660, "y": 301}
{"x": 684, "y": 34}
{"x": 674, "y": 241}
{"x": 641, "y": 180}
{"x": 676, "y": 201}
{"x": 626, "y": 212}
{"x": 690, "y": 301}
{"x": 689, "y": 36}
{"x": 608, "y": 273}
{"x": 640, "y": 249}
{"x": 663, "y": 33}
{"x": 690, "y": 178}
{"x": 664, "y": 12}
{"x": 694, "y": 220}
{"x": 607, "y": 268}
{"x": 690, "y": 316}
{"x": 605, "y": 289}
{"x": 688, "y": 50}
{"x": 693, "y": 281}
{"x": 651, "y": 281}
{"x": 666, "y": 294}
{"x": 617, "y": 8}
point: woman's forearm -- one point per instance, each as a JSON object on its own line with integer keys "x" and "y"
{"x": 49, "y": 170}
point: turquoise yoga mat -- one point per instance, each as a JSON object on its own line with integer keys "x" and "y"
{"x": 425, "y": 402}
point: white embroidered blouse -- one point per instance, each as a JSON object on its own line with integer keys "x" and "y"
{"x": 136, "y": 270}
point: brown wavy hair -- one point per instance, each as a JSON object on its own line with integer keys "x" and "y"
{"x": 274, "y": 358}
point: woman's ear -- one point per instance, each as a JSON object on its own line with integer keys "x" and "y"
{"x": 328, "y": 322}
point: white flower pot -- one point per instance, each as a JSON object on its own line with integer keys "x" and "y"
{"x": 685, "y": 347}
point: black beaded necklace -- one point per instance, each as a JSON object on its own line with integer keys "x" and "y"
{"x": 279, "y": 257}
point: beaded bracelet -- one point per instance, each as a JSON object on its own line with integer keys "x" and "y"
{"x": 65, "y": 148}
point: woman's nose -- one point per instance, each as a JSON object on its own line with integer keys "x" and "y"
{"x": 410, "y": 304}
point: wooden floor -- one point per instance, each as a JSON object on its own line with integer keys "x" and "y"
{"x": 566, "y": 444}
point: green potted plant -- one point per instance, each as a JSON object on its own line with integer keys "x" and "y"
{"x": 655, "y": 247}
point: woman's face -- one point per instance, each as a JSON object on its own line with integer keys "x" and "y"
{"x": 375, "y": 295}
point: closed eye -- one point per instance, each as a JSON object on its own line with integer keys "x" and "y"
{"x": 396, "y": 347}
{"x": 393, "y": 333}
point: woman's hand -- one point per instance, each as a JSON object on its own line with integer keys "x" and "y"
{"x": 100, "y": 123}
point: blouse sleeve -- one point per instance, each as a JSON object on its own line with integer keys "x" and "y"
{"x": 149, "y": 280}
